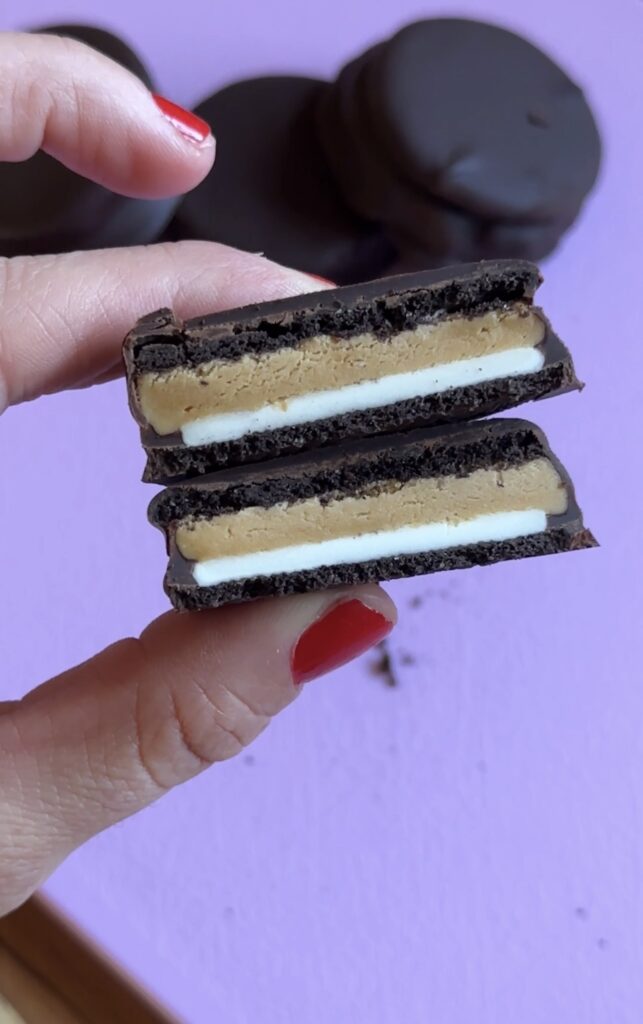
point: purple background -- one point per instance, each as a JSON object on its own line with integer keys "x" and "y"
{"x": 469, "y": 846}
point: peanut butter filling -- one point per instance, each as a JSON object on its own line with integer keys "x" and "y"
{"x": 173, "y": 398}
{"x": 386, "y": 506}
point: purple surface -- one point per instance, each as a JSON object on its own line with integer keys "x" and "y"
{"x": 469, "y": 846}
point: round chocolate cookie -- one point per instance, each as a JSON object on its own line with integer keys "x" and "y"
{"x": 428, "y": 232}
{"x": 45, "y": 207}
{"x": 271, "y": 189}
{"x": 464, "y": 139}
{"x": 485, "y": 118}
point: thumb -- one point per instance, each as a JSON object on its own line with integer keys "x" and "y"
{"x": 112, "y": 735}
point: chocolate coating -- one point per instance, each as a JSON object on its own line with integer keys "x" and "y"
{"x": 271, "y": 191}
{"x": 45, "y": 207}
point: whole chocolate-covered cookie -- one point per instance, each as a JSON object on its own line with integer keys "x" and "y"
{"x": 464, "y": 139}
{"x": 45, "y": 207}
{"x": 271, "y": 189}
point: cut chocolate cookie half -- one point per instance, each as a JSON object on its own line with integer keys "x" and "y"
{"x": 380, "y": 508}
{"x": 313, "y": 370}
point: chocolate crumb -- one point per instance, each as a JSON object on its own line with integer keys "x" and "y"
{"x": 382, "y": 666}
{"x": 407, "y": 659}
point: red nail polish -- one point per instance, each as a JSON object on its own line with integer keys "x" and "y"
{"x": 324, "y": 280}
{"x": 188, "y": 124}
{"x": 346, "y": 630}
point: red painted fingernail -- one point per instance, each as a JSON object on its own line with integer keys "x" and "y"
{"x": 346, "y": 630}
{"x": 324, "y": 280}
{"x": 189, "y": 125}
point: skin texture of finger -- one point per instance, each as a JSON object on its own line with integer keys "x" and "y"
{"x": 63, "y": 318}
{"x": 109, "y": 737}
{"x": 94, "y": 116}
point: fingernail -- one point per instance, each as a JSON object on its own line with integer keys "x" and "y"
{"x": 345, "y": 631}
{"x": 186, "y": 123}
{"x": 324, "y": 280}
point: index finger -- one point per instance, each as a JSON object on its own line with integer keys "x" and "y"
{"x": 63, "y": 318}
{"x": 97, "y": 118}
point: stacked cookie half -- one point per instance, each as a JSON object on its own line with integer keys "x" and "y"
{"x": 336, "y": 437}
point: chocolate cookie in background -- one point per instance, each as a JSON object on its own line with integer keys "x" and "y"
{"x": 463, "y": 140}
{"x": 455, "y": 239}
{"x": 271, "y": 190}
{"x": 45, "y": 207}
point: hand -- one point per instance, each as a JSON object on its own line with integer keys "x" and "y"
{"x": 94, "y": 745}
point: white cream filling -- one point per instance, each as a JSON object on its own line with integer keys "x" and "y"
{"x": 406, "y": 540}
{"x": 397, "y": 387}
